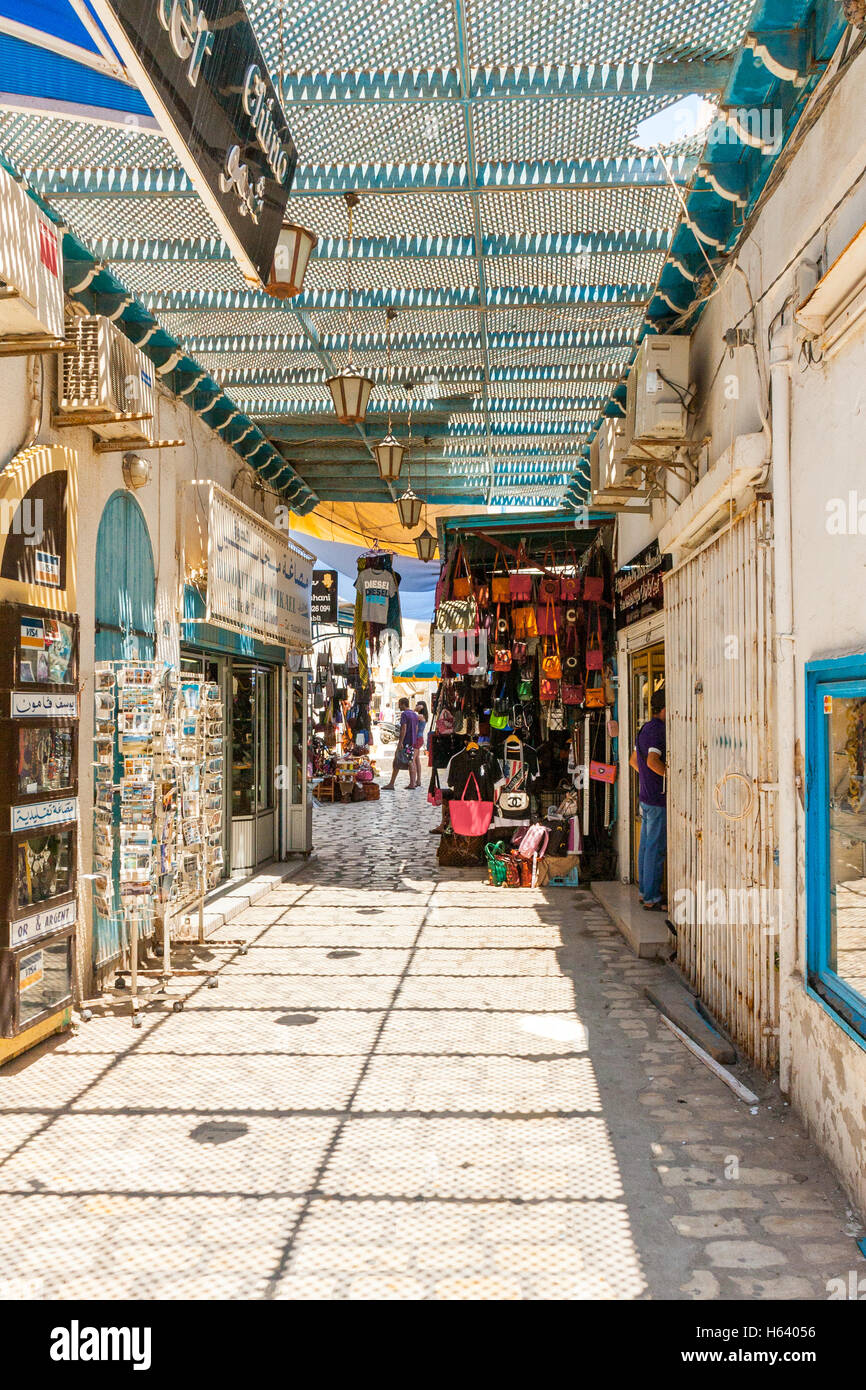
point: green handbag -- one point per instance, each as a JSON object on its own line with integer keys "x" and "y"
{"x": 499, "y": 721}
{"x": 524, "y": 690}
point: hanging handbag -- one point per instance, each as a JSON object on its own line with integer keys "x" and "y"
{"x": 445, "y": 721}
{"x": 593, "y": 696}
{"x": 555, "y": 718}
{"x": 502, "y": 658}
{"x": 470, "y": 817}
{"x": 518, "y": 650}
{"x": 603, "y": 772}
{"x": 548, "y": 618}
{"x": 548, "y": 689}
{"x": 520, "y": 584}
{"x": 594, "y": 655}
{"x": 512, "y": 800}
{"x": 593, "y": 588}
{"x": 572, "y": 693}
{"x": 457, "y": 615}
{"x": 500, "y": 588}
{"x": 524, "y": 622}
{"x": 548, "y": 584}
{"x": 461, "y": 585}
{"x": 524, "y": 690}
{"x": 434, "y": 791}
{"x": 569, "y": 584}
{"x": 551, "y": 663}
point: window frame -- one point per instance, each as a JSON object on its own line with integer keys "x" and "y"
{"x": 840, "y": 677}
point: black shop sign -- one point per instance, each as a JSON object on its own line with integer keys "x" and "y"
{"x": 324, "y": 598}
{"x": 200, "y": 68}
{"x": 639, "y": 586}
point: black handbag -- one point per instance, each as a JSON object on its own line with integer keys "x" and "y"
{"x": 557, "y": 837}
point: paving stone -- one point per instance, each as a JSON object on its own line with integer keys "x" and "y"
{"x": 704, "y": 1227}
{"x": 742, "y": 1254}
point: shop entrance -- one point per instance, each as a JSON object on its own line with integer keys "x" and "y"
{"x": 647, "y": 676}
{"x": 253, "y": 740}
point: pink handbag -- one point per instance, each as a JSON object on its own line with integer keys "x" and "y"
{"x": 470, "y": 817}
{"x": 519, "y": 584}
{"x": 593, "y": 588}
{"x": 602, "y": 772}
{"x": 532, "y": 840}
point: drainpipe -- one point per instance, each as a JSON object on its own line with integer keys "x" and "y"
{"x": 786, "y": 704}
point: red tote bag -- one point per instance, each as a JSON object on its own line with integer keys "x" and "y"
{"x": 520, "y": 584}
{"x": 470, "y": 817}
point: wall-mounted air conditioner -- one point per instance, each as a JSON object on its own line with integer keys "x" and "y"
{"x": 614, "y": 480}
{"x": 31, "y": 272}
{"x": 658, "y": 393}
{"x": 106, "y": 382}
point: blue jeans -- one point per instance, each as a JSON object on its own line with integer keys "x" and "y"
{"x": 651, "y": 851}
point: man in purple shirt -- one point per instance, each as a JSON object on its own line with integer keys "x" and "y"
{"x": 648, "y": 761}
{"x": 406, "y": 741}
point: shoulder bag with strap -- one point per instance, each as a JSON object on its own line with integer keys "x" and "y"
{"x": 500, "y": 587}
{"x": 513, "y": 798}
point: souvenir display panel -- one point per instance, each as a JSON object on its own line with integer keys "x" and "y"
{"x": 45, "y": 760}
{"x": 44, "y": 867}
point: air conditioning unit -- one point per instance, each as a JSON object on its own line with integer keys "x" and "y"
{"x": 613, "y": 479}
{"x": 106, "y": 382}
{"x": 658, "y": 392}
{"x": 31, "y": 269}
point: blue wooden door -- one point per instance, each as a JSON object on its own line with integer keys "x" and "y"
{"x": 125, "y": 595}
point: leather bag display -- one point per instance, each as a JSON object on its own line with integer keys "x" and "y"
{"x": 470, "y": 817}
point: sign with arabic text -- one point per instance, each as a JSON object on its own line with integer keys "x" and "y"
{"x": 43, "y": 704}
{"x": 639, "y": 586}
{"x": 42, "y": 813}
{"x": 201, "y": 71}
{"x": 258, "y": 582}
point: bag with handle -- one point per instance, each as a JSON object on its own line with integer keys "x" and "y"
{"x": 520, "y": 584}
{"x": 524, "y": 622}
{"x": 445, "y": 721}
{"x": 569, "y": 584}
{"x": 434, "y": 791}
{"x": 572, "y": 692}
{"x": 532, "y": 840}
{"x": 462, "y": 585}
{"x": 470, "y": 817}
{"x": 594, "y": 654}
{"x": 593, "y": 588}
{"x": 500, "y": 588}
{"x": 555, "y": 718}
{"x": 548, "y": 689}
{"x": 518, "y": 650}
{"x": 457, "y": 615}
{"x": 603, "y": 772}
{"x": 548, "y": 584}
{"x": 557, "y": 837}
{"x": 548, "y": 618}
{"x": 593, "y": 696}
{"x": 512, "y": 800}
{"x": 551, "y": 663}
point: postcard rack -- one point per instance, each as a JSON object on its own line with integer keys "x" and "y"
{"x": 158, "y": 764}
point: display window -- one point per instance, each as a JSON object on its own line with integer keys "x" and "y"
{"x": 45, "y": 759}
{"x": 43, "y": 867}
{"x": 44, "y": 981}
{"x": 37, "y": 648}
{"x": 836, "y": 837}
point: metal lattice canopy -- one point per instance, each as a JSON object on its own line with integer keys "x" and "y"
{"x": 507, "y": 213}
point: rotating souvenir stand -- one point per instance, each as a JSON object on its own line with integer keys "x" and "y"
{"x": 157, "y": 849}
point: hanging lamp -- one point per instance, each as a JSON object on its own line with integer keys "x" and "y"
{"x": 349, "y": 388}
{"x": 295, "y": 243}
{"x": 409, "y": 505}
{"x": 389, "y": 451}
{"x": 294, "y": 246}
{"x": 426, "y": 543}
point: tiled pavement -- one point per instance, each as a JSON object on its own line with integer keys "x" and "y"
{"x": 411, "y": 1086}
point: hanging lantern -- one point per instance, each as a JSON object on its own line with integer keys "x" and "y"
{"x": 426, "y": 544}
{"x": 389, "y": 457}
{"x": 409, "y": 506}
{"x": 290, "y": 261}
{"x": 389, "y": 451}
{"x": 350, "y": 392}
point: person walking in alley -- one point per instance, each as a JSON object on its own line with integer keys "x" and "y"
{"x": 404, "y": 754}
{"x": 423, "y": 716}
{"x": 648, "y": 760}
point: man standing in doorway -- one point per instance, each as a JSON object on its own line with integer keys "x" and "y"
{"x": 649, "y": 762}
{"x": 404, "y": 755}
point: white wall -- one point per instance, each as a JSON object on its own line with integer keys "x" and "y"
{"x": 204, "y": 456}
{"x": 828, "y": 460}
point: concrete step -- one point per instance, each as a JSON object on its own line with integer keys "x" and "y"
{"x": 645, "y": 932}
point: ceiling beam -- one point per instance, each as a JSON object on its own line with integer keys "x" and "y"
{"x": 505, "y": 82}
{"x": 651, "y": 240}
{"x": 446, "y": 297}
{"x": 603, "y": 171}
